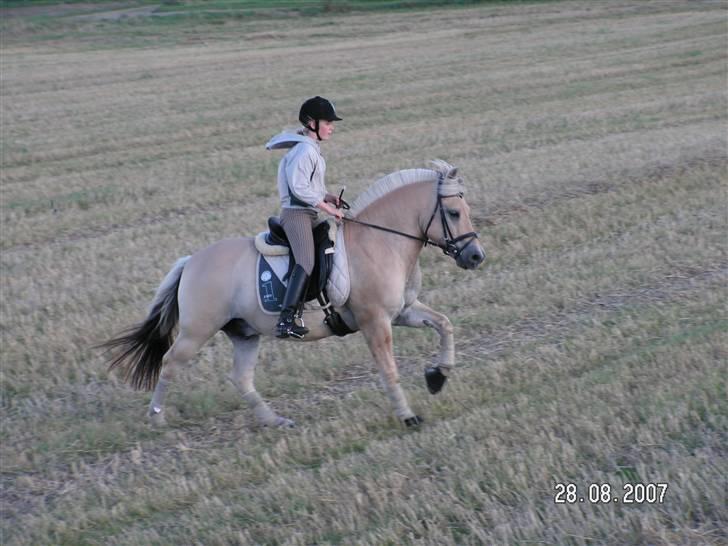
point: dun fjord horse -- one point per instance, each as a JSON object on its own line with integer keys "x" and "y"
{"x": 214, "y": 289}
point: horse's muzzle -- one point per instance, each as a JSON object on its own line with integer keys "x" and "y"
{"x": 471, "y": 256}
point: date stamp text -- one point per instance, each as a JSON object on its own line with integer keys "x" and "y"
{"x": 603, "y": 493}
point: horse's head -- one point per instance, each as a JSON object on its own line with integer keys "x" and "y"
{"x": 449, "y": 226}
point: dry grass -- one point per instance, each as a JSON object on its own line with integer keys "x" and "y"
{"x": 591, "y": 347}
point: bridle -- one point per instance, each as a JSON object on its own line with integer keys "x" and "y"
{"x": 449, "y": 247}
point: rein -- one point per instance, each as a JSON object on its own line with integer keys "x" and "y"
{"x": 389, "y": 230}
{"x": 449, "y": 248}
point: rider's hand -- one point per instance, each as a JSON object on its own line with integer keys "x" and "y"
{"x": 338, "y": 214}
{"x": 327, "y": 208}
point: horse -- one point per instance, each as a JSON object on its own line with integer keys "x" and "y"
{"x": 383, "y": 234}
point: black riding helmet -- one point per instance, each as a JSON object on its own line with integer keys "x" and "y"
{"x": 315, "y": 109}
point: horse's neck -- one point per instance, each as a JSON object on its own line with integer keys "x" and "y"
{"x": 400, "y": 210}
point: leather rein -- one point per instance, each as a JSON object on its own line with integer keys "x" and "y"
{"x": 449, "y": 247}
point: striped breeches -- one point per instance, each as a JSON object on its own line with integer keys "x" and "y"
{"x": 298, "y": 225}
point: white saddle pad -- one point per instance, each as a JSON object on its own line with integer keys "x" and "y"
{"x": 338, "y": 285}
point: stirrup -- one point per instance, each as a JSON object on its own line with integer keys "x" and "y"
{"x": 292, "y": 331}
{"x": 287, "y": 327}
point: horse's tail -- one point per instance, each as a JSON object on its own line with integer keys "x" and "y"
{"x": 143, "y": 345}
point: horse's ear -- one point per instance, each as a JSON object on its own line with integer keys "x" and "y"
{"x": 453, "y": 172}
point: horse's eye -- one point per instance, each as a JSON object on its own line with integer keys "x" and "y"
{"x": 454, "y": 214}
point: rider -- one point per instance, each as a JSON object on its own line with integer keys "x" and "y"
{"x": 302, "y": 191}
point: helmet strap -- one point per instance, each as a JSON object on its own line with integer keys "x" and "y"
{"x": 316, "y": 129}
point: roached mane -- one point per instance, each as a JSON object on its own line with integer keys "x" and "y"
{"x": 451, "y": 183}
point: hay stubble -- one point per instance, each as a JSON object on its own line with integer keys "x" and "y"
{"x": 591, "y": 346}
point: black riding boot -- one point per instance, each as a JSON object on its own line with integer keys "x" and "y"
{"x": 295, "y": 292}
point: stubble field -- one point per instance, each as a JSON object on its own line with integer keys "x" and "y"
{"x": 591, "y": 346}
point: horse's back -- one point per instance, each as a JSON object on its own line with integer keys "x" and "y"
{"x": 222, "y": 257}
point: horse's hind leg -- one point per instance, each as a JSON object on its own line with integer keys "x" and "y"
{"x": 242, "y": 376}
{"x": 182, "y": 350}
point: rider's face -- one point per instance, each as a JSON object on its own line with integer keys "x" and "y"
{"x": 326, "y": 129}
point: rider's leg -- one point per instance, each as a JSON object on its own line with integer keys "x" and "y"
{"x": 298, "y": 225}
{"x": 297, "y": 284}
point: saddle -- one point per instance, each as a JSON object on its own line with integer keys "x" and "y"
{"x": 274, "y": 247}
{"x": 324, "y": 251}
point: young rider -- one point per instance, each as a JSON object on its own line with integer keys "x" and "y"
{"x": 303, "y": 193}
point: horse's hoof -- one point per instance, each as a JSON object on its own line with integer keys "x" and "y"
{"x": 435, "y": 379}
{"x": 285, "y": 423}
{"x": 281, "y": 422}
{"x": 414, "y": 421}
{"x": 156, "y": 418}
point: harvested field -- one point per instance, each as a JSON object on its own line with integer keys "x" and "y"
{"x": 591, "y": 346}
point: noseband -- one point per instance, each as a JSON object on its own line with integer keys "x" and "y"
{"x": 450, "y": 246}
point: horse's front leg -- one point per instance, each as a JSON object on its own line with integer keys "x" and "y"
{"x": 418, "y": 315}
{"x": 378, "y": 334}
